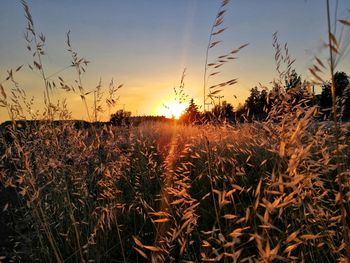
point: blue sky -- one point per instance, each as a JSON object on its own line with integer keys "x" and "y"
{"x": 145, "y": 44}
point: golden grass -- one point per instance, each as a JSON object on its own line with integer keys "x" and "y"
{"x": 263, "y": 191}
{"x": 276, "y": 190}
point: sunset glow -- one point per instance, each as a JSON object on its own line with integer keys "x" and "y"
{"x": 174, "y": 131}
{"x": 146, "y": 47}
{"x": 172, "y": 109}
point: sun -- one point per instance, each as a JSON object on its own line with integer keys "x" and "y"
{"x": 173, "y": 109}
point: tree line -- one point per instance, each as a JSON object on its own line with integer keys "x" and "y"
{"x": 260, "y": 101}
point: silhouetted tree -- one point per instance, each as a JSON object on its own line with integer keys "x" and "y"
{"x": 223, "y": 113}
{"x": 227, "y": 109}
{"x": 191, "y": 114}
{"x": 342, "y": 93}
{"x": 341, "y": 82}
{"x": 256, "y": 105}
{"x": 326, "y": 98}
{"x": 252, "y": 101}
{"x": 120, "y": 118}
{"x": 293, "y": 81}
{"x": 297, "y": 90}
{"x": 239, "y": 113}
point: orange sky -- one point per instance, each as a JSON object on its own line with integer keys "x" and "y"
{"x": 145, "y": 45}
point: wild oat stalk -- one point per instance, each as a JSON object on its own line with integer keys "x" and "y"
{"x": 80, "y": 65}
{"x": 11, "y": 102}
{"x": 333, "y": 49}
{"x": 111, "y": 99}
{"x": 220, "y": 60}
{"x": 38, "y": 51}
{"x": 179, "y": 92}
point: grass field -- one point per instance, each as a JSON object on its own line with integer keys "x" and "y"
{"x": 273, "y": 190}
{"x": 255, "y": 192}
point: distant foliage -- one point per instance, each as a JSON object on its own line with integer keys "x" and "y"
{"x": 223, "y": 113}
{"x": 191, "y": 114}
{"x": 295, "y": 91}
{"x": 219, "y": 114}
{"x": 342, "y": 93}
{"x": 256, "y": 103}
{"x": 120, "y": 118}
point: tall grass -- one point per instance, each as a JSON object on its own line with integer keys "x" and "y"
{"x": 254, "y": 192}
{"x": 213, "y": 68}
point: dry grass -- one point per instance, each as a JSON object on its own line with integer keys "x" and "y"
{"x": 256, "y": 192}
{"x": 259, "y": 192}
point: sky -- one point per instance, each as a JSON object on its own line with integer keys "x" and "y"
{"x": 146, "y": 44}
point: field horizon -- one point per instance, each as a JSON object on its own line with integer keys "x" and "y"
{"x": 208, "y": 147}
